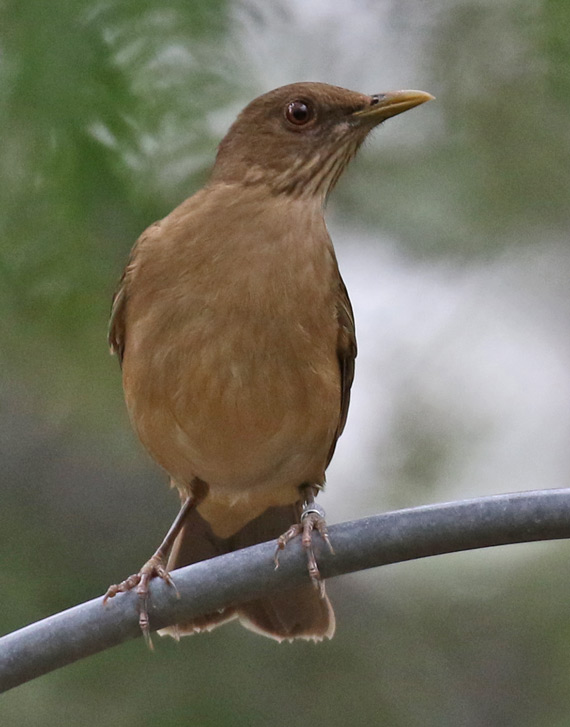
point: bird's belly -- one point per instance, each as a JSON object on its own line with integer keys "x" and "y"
{"x": 250, "y": 410}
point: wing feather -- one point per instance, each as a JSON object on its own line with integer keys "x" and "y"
{"x": 117, "y": 323}
{"x": 346, "y": 353}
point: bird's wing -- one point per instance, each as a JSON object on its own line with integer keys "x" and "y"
{"x": 117, "y": 323}
{"x": 346, "y": 352}
{"x": 116, "y": 334}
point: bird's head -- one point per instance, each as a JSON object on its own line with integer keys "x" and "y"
{"x": 298, "y": 139}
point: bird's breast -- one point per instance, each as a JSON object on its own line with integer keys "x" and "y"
{"x": 230, "y": 366}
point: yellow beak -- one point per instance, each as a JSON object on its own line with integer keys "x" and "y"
{"x": 384, "y": 105}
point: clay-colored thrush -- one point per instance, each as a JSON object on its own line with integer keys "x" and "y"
{"x": 237, "y": 343}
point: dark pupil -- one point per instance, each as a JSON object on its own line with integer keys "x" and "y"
{"x": 299, "y": 111}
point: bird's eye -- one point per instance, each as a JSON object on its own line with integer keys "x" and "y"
{"x": 299, "y": 113}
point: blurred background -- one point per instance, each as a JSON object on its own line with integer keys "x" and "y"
{"x": 452, "y": 234}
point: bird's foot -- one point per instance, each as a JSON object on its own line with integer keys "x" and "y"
{"x": 153, "y": 568}
{"x": 312, "y": 518}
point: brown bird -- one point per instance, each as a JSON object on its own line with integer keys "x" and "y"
{"x": 237, "y": 343}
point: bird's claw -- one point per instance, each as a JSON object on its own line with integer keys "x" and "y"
{"x": 153, "y": 568}
{"x": 312, "y": 518}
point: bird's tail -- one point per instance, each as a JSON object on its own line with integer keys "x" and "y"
{"x": 298, "y": 612}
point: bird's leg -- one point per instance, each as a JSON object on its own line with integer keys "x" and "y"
{"x": 312, "y": 518}
{"x": 155, "y": 567}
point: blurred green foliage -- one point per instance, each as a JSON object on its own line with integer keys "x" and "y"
{"x": 85, "y": 106}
